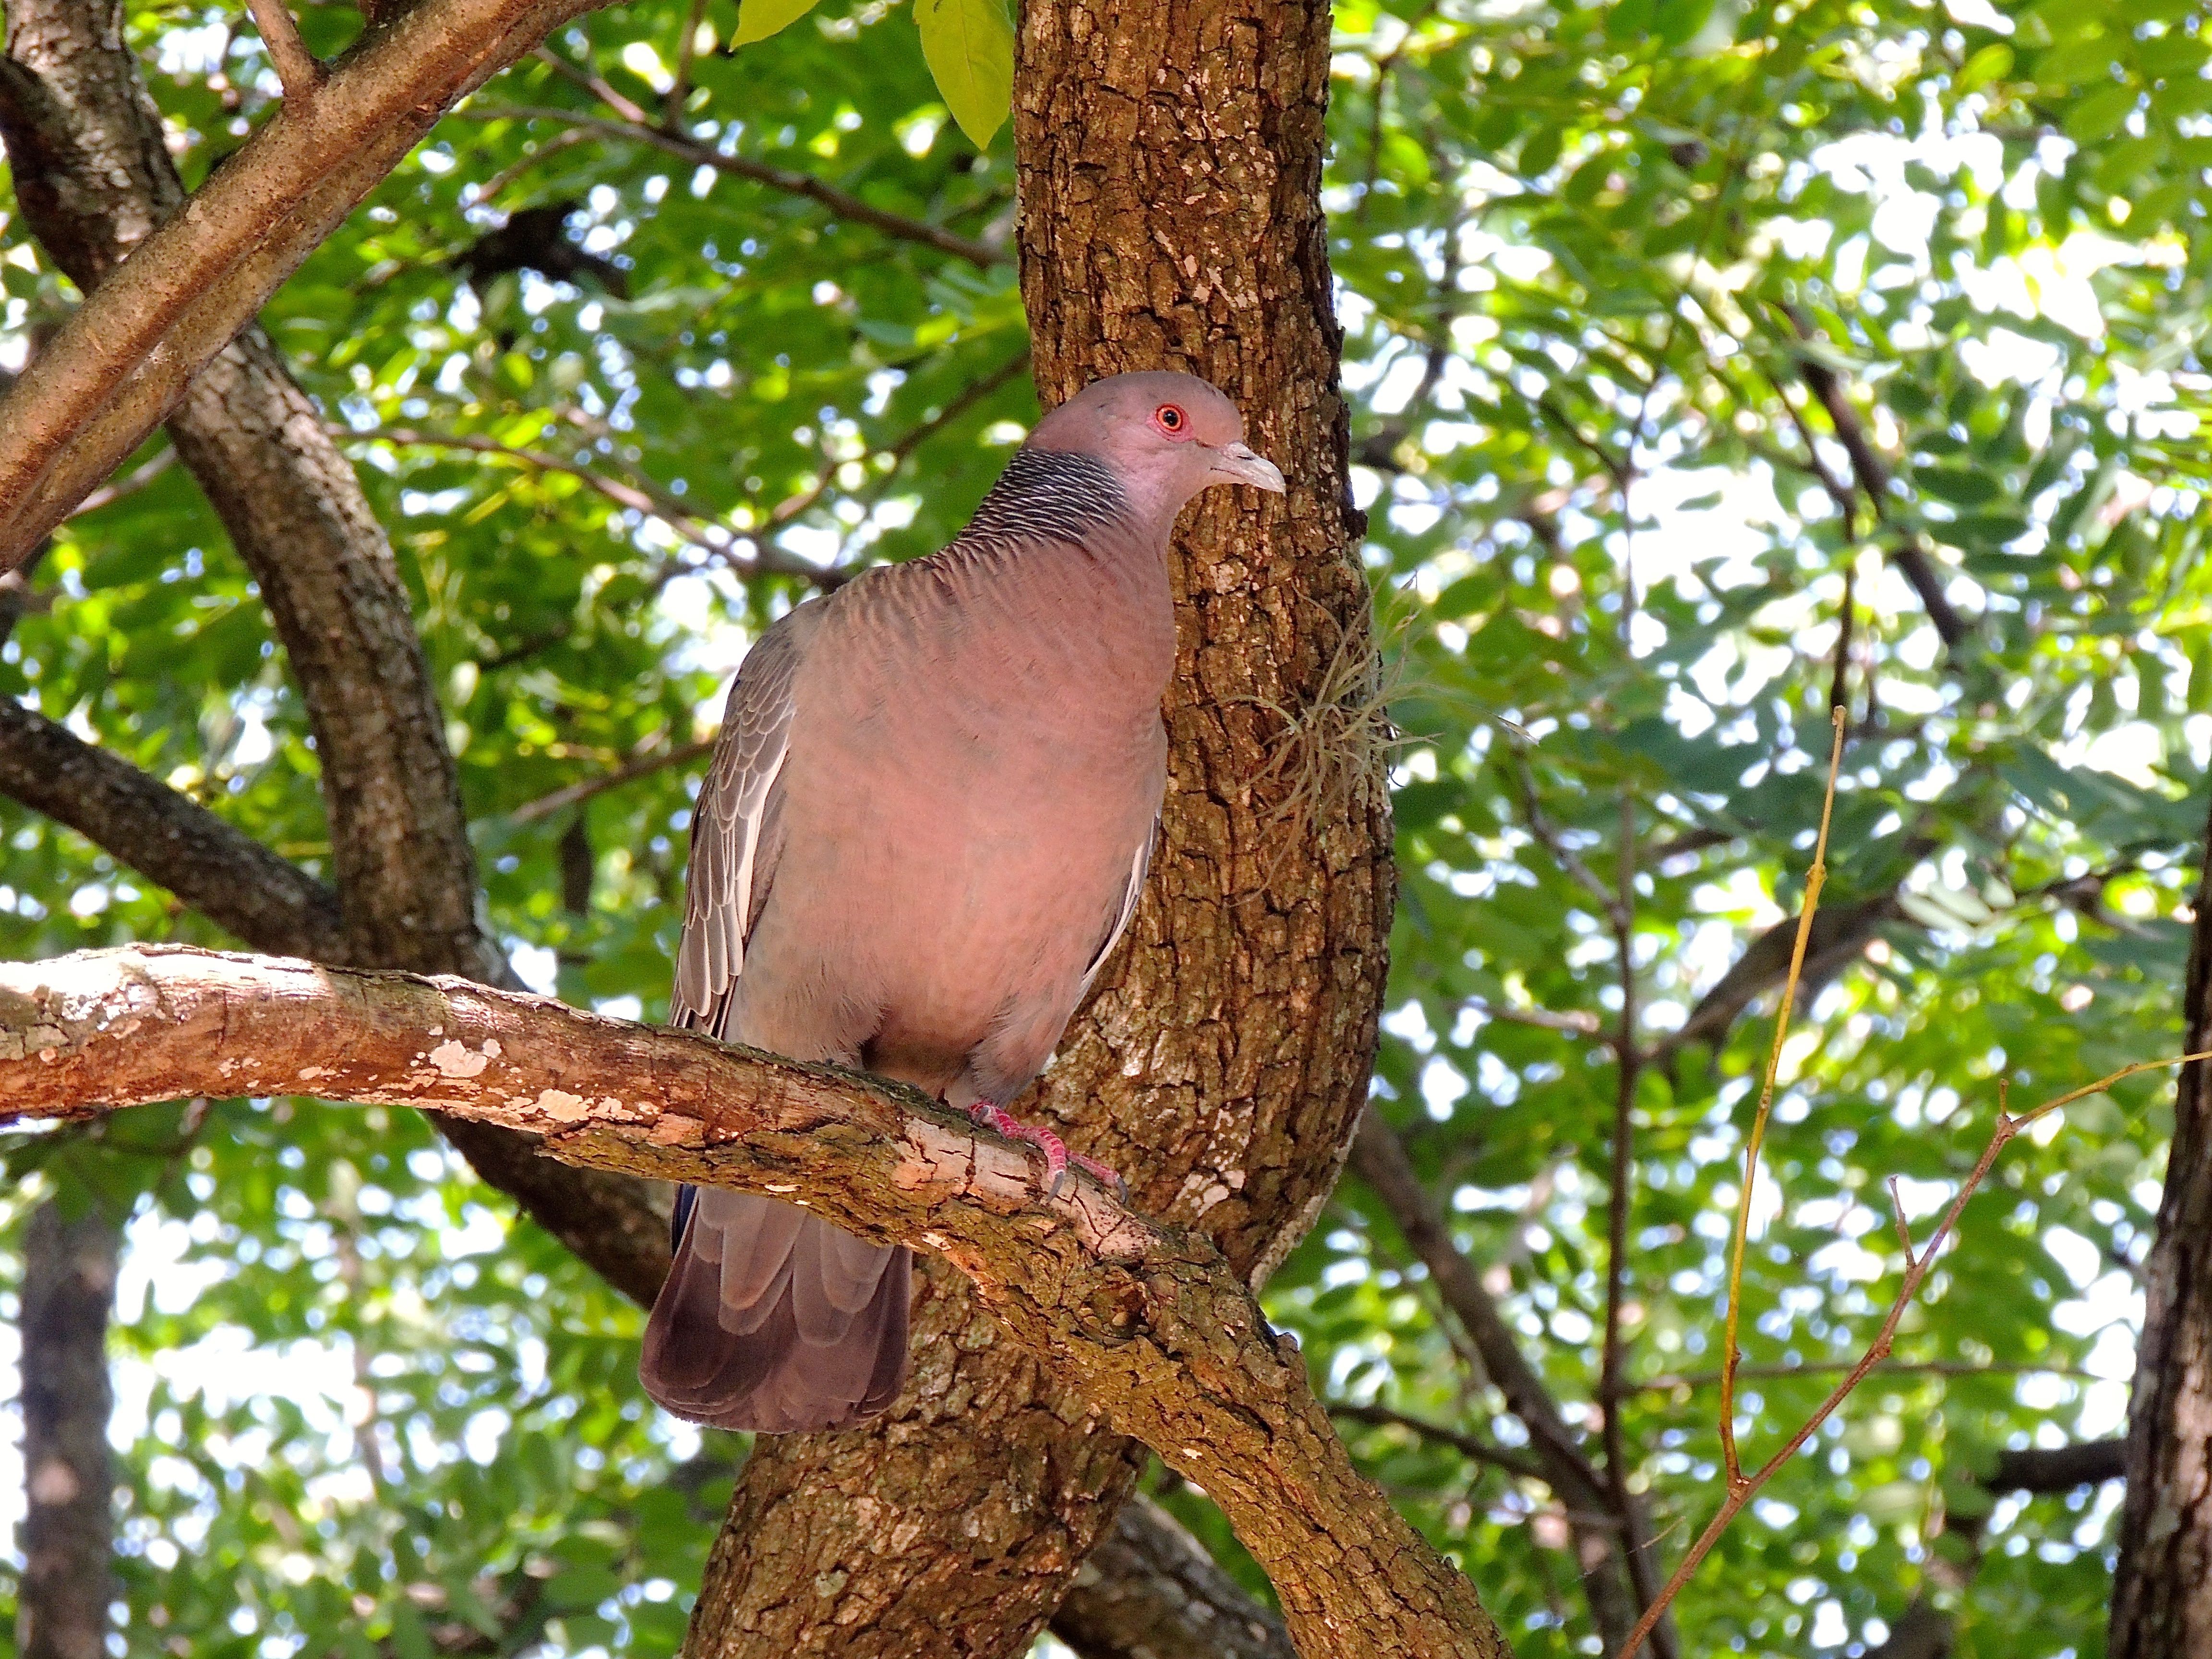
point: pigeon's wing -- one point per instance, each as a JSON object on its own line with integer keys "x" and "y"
{"x": 771, "y": 1319}
{"x": 732, "y": 860}
{"x": 1136, "y": 891}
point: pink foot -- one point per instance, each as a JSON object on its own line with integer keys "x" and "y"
{"x": 1057, "y": 1158}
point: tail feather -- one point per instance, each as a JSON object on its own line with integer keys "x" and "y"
{"x": 774, "y": 1321}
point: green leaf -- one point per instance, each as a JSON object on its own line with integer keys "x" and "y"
{"x": 758, "y": 19}
{"x": 969, "y": 47}
{"x": 1991, "y": 62}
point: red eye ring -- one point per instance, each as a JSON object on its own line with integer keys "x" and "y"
{"x": 1171, "y": 420}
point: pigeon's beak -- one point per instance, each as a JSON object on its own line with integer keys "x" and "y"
{"x": 1237, "y": 464}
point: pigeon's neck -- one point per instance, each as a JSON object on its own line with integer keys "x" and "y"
{"x": 1046, "y": 495}
{"x": 1058, "y": 553}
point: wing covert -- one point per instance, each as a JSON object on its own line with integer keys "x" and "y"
{"x": 720, "y": 888}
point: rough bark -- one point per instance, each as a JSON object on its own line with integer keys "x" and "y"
{"x": 94, "y": 179}
{"x": 1151, "y": 1591}
{"x": 1149, "y": 1325}
{"x": 1170, "y": 162}
{"x": 121, "y": 362}
{"x": 2162, "y": 1592}
{"x": 68, "y": 1290}
{"x": 1379, "y": 1159}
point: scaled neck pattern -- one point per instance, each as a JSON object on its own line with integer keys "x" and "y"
{"x": 1047, "y": 496}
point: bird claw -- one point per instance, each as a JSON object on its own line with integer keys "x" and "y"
{"x": 1060, "y": 1163}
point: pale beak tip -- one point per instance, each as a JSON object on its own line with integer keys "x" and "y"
{"x": 1239, "y": 463}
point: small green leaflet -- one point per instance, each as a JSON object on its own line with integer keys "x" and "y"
{"x": 969, "y": 47}
{"x": 758, "y": 19}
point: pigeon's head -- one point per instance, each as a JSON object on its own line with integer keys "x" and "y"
{"x": 1167, "y": 436}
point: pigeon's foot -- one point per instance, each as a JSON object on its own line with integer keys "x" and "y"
{"x": 1057, "y": 1158}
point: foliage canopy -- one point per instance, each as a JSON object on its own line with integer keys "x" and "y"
{"x": 1678, "y": 331}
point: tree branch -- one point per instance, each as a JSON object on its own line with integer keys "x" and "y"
{"x": 1910, "y": 554}
{"x": 1151, "y": 1324}
{"x": 94, "y": 176}
{"x": 843, "y": 203}
{"x": 166, "y": 837}
{"x": 642, "y": 764}
{"x": 296, "y": 67}
{"x": 122, "y": 359}
{"x": 271, "y": 904}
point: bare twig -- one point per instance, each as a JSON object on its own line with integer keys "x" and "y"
{"x": 1731, "y": 1353}
{"x": 1673, "y": 1380}
{"x": 680, "y": 87}
{"x": 1910, "y": 553}
{"x": 1742, "y": 1487}
{"x": 647, "y": 760}
{"x": 1468, "y": 1445}
{"x": 296, "y": 67}
{"x": 1576, "y": 1022}
{"x": 1549, "y": 836}
{"x": 687, "y": 521}
{"x": 844, "y": 205}
{"x": 129, "y": 484}
{"x": 1628, "y": 1067}
{"x": 593, "y": 83}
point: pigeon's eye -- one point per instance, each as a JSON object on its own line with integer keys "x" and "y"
{"x": 1170, "y": 420}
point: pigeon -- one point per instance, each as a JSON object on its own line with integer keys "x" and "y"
{"x": 927, "y": 823}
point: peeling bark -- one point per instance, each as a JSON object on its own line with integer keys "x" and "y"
{"x": 69, "y": 1525}
{"x": 2162, "y": 1592}
{"x": 1169, "y": 161}
{"x": 85, "y": 147}
{"x": 1149, "y": 1326}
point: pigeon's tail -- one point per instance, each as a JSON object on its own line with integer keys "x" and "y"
{"x": 774, "y": 1321}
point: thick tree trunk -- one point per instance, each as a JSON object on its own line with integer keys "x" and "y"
{"x": 2162, "y": 1596}
{"x": 89, "y": 167}
{"x": 1170, "y": 158}
{"x": 69, "y": 1529}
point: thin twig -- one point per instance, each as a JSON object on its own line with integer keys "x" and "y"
{"x": 1742, "y": 1488}
{"x": 647, "y": 760}
{"x": 844, "y": 205}
{"x": 296, "y": 67}
{"x": 679, "y": 88}
{"x": 1731, "y": 1353}
{"x": 480, "y": 195}
{"x": 1470, "y": 1446}
{"x": 1904, "y": 1227}
{"x": 132, "y": 481}
{"x": 686, "y": 521}
{"x": 1668, "y": 1382}
{"x": 1628, "y": 1065}
{"x": 1549, "y": 836}
{"x": 1576, "y": 1023}
{"x": 593, "y": 83}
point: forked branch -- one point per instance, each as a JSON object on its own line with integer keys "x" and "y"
{"x": 1918, "y": 1264}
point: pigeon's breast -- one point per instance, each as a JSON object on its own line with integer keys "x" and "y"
{"x": 981, "y": 782}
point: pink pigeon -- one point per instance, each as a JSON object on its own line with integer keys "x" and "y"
{"x": 927, "y": 823}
